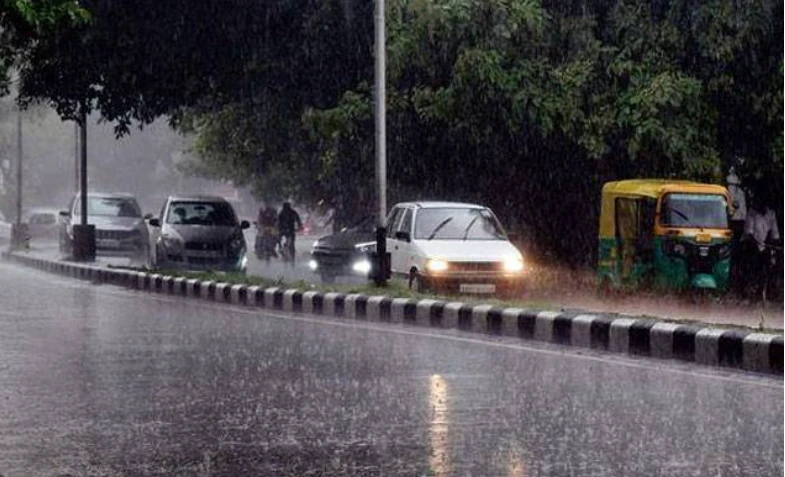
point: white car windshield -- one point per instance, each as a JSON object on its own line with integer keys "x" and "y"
{"x": 457, "y": 224}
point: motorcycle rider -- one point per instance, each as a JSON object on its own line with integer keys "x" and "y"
{"x": 266, "y": 223}
{"x": 288, "y": 223}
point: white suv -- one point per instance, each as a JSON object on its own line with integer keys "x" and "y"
{"x": 452, "y": 246}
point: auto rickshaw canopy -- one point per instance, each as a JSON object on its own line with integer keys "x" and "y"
{"x": 645, "y": 188}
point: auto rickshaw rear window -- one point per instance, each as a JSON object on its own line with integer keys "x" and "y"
{"x": 694, "y": 210}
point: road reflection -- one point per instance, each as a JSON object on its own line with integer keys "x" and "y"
{"x": 517, "y": 466}
{"x": 439, "y": 427}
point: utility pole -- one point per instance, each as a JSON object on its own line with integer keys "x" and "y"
{"x": 83, "y": 168}
{"x": 380, "y": 271}
{"x": 18, "y": 232}
{"x": 84, "y": 234}
{"x": 19, "y": 153}
{"x": 76, "y": 156}
{"x": 380, "y": 113}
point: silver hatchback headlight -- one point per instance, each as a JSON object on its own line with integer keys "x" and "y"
{"x": 365, "y": 247}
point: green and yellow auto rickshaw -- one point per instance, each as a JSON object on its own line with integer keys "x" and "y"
{"x": 669, "y": 234}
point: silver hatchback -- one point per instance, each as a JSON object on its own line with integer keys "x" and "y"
{"x": 199, "y": 233}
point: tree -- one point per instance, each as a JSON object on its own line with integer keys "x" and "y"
{"x": 525, "y": 105}
{"x": 23, "y": 23}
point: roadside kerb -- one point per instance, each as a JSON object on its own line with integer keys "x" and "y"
{"x": 725, "y": 348}
{"x": 238, "y": 294}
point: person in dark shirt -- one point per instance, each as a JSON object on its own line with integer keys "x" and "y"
{"x": 288, "y": 224}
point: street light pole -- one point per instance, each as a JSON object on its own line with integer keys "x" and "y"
{"x": 380, "y": 274}
{"x": 380, "y": 113}
{"x": 18, "y": 232}
{"x": 83, "y": 168}
{"x": 76, "y": 156}
{"x": 83, "y": 233}
{"x": 19, "y": 168}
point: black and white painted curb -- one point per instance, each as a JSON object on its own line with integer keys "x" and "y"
{"x": 733, "y": 348}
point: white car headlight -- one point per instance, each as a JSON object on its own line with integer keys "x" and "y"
{"x": 436, "y": 265}
{"x": 513, "y": 264}
{"x": 313, "y": 264}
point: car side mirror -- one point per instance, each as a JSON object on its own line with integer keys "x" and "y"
{"x": 148, "y": 216}
{"x": 64, "y": 213}
{"x": 405, "y": 236}
{"x": 155, "y": 223}
{"x": 244, "y": 224}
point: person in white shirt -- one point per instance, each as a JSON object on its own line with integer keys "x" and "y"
{"x": 760, "y": 232}
{"x": 739, "y": 207}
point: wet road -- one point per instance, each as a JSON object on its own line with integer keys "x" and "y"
{"x": 102, "y": 381}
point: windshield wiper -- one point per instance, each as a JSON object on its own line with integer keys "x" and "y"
{"x": 468, "y": 227}
{"x": 439, "y": 227}
{"x": 680, "y": 214}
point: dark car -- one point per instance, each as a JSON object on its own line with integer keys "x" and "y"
{"x": 42, "y": 223}
{"x": 199, "y": 232}
{"x": 120, "y": 228}
{"x": 344, "y": 253}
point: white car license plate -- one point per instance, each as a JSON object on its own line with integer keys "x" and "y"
{"x": 478, "y": 288}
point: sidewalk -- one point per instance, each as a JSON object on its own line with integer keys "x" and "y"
{"x": 571, "y": 289}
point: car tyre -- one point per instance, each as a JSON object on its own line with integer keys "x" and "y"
{"x": 142, "y": 256}
{"x": 65, "y": 246}
{"x": 417, "y": 282}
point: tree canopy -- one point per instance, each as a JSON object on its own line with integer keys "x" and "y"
{"x": 525, "y": 105}
{"x": 23, "y": 23}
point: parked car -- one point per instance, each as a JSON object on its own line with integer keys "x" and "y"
{"x": 453, "y": 247}
{"x": 120, "y": 228}
{"x": 5, "y": 230}
{"x": 42, "y": 223}
{"x": 344, "y": 253}
{"x": 199, "y": 232}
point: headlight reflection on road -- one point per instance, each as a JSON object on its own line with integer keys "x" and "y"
{"x": 517, "y": 466}
{"x": 439, "y": 427}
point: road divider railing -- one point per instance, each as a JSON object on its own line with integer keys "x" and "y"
{"x": 731, "y": 348}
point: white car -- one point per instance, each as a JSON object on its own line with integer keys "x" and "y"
{"x": 453, "y": 247}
